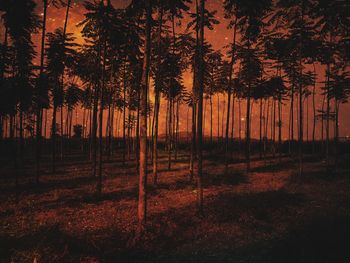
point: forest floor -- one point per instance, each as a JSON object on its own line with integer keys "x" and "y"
{"x": 270, "y": 215}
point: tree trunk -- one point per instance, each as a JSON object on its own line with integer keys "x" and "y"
{"x": 279, "y": 129}
{"x": 211, "y": 121}
{"x": 240, "y": 120}
{"x": 307, "y": 119}
{"x": 260, "y": 128}
{"x": 266, "y": 128}
{"x": 124, "y": 114}
{"x": 218, "y": 119}
{"x": 336, "y": 135}
{"x": 193, "y": 141}
{"x": 273, "y": 129}
{"x": 170, "y": 121}
{"x": 322, "y": 122}
{"x": 291, "y": 136}
{"x": 137, "y": 133}
{"x": 247, "y": 136}
{"x": 155, "y": 139}
{"x": 223, "y": 118}
{"x": 232, "y": 120}
{"x": 301, "y": 103}
{"x": 177, "y": 129}
{"x": 94, "y": 131}
{"x": 157, "y": 103}
{"x": 229, "y": 95}
{"x": 38, "y": 110}
{"x": 200, "y": 111}
{"x": 327, "y": 117}
{"x": 314, "y": 113}
{"x": 142, "y": 202}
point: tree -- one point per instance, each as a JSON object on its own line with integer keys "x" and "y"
{"x": 101, "y": 24}
{"x": 338, "y": 89}
{"x": 20, "y": 32}
{"x": 207, "y": 18}
{"x": 142, "y": 203}
{"x": 249, "y": 15}
{"x": 230, "y": 9}
{"x": 199, "y": 172}
{"x": 213, "y": 81}
{"x": 299, "y": 36}
{"x": 42, "y": 92}
{"x": 332, "y": 25}
{"x": 59, "y": 53}
{"x": 249, "y": 75}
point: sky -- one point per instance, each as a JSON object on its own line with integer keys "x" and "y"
{"x": 219, "y": 38}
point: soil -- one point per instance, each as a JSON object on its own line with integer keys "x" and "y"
{"x": 268, "y": 215}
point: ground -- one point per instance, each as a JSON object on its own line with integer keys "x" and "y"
{"x": 270, "y": 215}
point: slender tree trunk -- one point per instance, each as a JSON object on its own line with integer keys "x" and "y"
{"x": 218, "y": 119}
{"x": 177, "y": 129}
{"x": 71, "y": 123}
{"x": 193, "y": 141}
{"x": 240, "y": 120}
{"x": 142, "y": 203}
{"x": 232, "y": 119}
{"x": 247, "y": 136}
{"x": 279, "y": 129}
{"x": 291, "y": 141}
{"x": 117, "y": 120}
{"x": 266, "y": 128}
{"x": 229, "y": 95}
{"x": 195, "y": 89}
{"x": 94, "y": 130}
{"x": 307, "y": 119}
{"x": 322, "y": 122}
{"x": 167, "y": 126}
{"x": 301, "y": 123}
{"x": 260, "y": 128}
{"x": 38, "y": 110}
{"x": 187, "y": 121}
{"x": 137, "y": 133}
{"x": 45, "y": 123}
{"x": 100, "y": 163}
{"x": 111, "y": 132}
{"x": 314, "y": 112}
{"x": 91, "y": 132}
{"x": 62, "y": 131}
{"x": 108, "y": 130}
{"x": 223, "y": 118}
{"x": 155, "y": 139}
{"x": 204, "y": 117}
{"x": 336, "y": 135}
{"x": 14, "y": 149}
{"x": 83, "y": 130}
{"x": 327, "y": 117}
{"x": 200, "y": 111}
{"x": 129, "y": 127}
{"x": 124, "y": 115}
{"x": 273, "y": 128}
{"x": 211, "y": 121}
{"x": 170, "y": 136}
{"x": 2, "y": 75}
{"x": 21, "y": 140}
{"x": 64, "y": 37}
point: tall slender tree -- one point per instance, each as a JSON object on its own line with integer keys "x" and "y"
{"x": 142, "y": 203}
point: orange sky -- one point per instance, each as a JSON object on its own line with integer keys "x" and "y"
{"x": 219, "y": 38}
